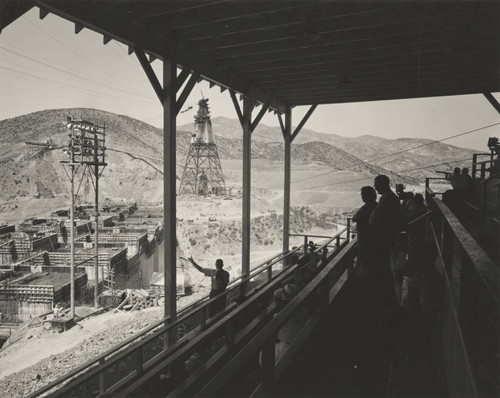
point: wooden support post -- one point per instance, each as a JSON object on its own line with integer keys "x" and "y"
{"x": 230, "y": 333}
{"x": 348, "y": 238}
{"x": 497, "y": 212}
{"x": 139, "y": 359}
{"x": 269, "y": 273}
{"x": 248, "y": 105}
{"x": 102, "y": 386}
{"x": 268, "y": 361}
{"x": 72, "y": 237}
{"x": 287, "y": 135}
{"x": 474, "y": 166}
{"x": 96, "y": 235}
{"x": 203, "y": 315}
{"x": 169, "y": 191}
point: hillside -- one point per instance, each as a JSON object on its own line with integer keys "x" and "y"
{"x": 27, "y": 171}
{"x": 375, "y": 150}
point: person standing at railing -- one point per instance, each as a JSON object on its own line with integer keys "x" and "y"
{"x": 220, "y": 280}
{"x": 386, "y": 220}
{"x": 455, "y": 198}
{"x": 467, "y": 182}
{"x": 366, "y": 235}
{"x": 495, "y": 165}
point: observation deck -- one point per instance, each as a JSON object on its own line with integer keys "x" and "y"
{"x": 280, "y": 55}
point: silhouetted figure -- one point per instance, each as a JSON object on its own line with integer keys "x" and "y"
{"x": 455, "y": 198}
{"x": 386, "y": 221}
{"x": 456, "y": 179}
{"x": 424, "y": 281}
{"x": 220, "y": 280}
{"x": 416, "y": 221}
{"x": 467, "y": 179}
{"x": 495, "y": 166}
{"x": 366, "y": 235}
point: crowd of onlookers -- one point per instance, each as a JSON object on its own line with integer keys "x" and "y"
{"x": 461, "y": 183}
{"x": 395, "y": 263}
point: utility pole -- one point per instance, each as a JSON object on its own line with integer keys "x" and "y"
{"x": 96, "y": 268}
{"x": 88, "y": 148}
{"x": 72, "y": 233}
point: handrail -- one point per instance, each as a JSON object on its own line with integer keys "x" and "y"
{"x": 475, "y": 162}
{"x": 320, "y": 283}
{"x": 471, "y": 306}
{"x": 162, "y": 363}
{"x": 232, "y": 339}
{"x": 165, "y": 325}
{"x": 455, "y": 319}
{"x": 489, "y": 273}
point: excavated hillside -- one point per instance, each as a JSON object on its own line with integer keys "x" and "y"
{"x": 28, "y": 170}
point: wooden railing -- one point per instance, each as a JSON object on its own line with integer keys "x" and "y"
{"x": 318, "y": 294}
{"x": 481, "y": 165}
{"x": 141, "y": 355}
{"x": 471, "y": 304}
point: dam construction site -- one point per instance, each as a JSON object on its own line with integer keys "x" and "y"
{"x": 217, "y": 198}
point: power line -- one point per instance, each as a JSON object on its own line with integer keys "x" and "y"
{"x": 72, "y": 51}
{"x": 402, "y": 171}
{"x": 124, "y": 55}
{"x": 74, "y": 74}
{"x": 72, "y": 86}
{"x": 395, "y": 153}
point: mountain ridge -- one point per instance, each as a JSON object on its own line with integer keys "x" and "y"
{"x": 28, "y": 170}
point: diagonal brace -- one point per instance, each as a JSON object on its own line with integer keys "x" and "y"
{"x": 272, "y": 95}
{"x": 150, "y": 73}
{"x": 182, "y": 78}
{"x": 236, "y": 106}
{"x": 282, "y": 125}
{"x": 187, "y": 90}
{"x": 493, "y": 101}
{"x": 304, "y": 120}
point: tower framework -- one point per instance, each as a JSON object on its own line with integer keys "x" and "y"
{"x": 202, "y": 173}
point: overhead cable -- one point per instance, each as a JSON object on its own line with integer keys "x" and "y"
{"x": 392, "y": 154}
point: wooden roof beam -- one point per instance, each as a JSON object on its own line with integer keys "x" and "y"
{"x": 250, "y": 19}
{"x": 381, "y": 96}
{"x": 131, "y": 35}
{"x": 385, "y": 24}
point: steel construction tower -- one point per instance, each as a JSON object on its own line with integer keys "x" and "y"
{"x": 202, "y": 173}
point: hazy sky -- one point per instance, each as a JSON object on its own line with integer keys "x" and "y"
{"x": 45, "y": 65}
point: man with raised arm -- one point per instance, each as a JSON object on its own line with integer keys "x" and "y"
{"x": 220, "y": 280}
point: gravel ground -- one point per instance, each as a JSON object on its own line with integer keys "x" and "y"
{"x": 61, "y": 352}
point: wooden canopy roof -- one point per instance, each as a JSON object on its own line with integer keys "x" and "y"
{"x": 305, "y": 52}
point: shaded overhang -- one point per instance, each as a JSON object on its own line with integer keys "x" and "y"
{"x": 309, "y": 52}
